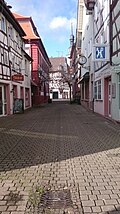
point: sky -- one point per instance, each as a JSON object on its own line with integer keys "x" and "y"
{"x": 53, "y": 19}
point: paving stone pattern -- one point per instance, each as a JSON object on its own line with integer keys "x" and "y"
{"x": 60, "y": 146}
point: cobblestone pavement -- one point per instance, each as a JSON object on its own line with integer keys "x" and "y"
{"x": 60, "y": 146}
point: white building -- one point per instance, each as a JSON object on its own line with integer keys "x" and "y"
{"x": 59, "y": 88}
{"x": 96, "y": 47}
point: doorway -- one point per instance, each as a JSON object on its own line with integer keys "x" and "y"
{"x": 3, "y": 102}
{"x": 55, "y": 95}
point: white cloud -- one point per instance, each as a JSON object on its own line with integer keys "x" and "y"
{"x": 49, "y": 16}
{"x": 62, "y": 22}
{"x": 58, "y": 22}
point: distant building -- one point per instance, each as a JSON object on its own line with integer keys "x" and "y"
{"x": 80, "y": 9}
{"x": 15, "y": 73}
{"x": 59, "y": 88}
{"x": 40, "y": 65}
{"x": 75, "y": 52}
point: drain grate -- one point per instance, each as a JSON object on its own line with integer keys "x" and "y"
{"x": 56, "y": 199}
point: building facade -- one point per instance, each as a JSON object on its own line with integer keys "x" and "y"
{"x": 96, "y": 48}
{"x": 115, "y": 57}
{"x": 75, "y": 52}
{"x": 40, "y": 65}
{"x": 100, "y": 82}
{"x": 59, "y": 80}
{"x": 15, "y": 71}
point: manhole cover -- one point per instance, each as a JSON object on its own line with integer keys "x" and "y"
{"x": 56, "y": 199}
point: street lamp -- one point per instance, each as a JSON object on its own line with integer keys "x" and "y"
{"x": 89, "y": 4}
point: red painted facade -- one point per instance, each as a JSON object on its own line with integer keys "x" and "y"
{"x": 40, "y": 65}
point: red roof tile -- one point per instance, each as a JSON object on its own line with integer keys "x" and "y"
{"x": 28, "y": 26}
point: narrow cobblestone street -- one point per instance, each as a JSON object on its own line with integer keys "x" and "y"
{"x": 60, "y": 147}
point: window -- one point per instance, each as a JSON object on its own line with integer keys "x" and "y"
{"x": 97, "y": 90}
{"x": 5, "y": 58}
{"x": 3, "y": 24}
{"x": 10, "y": 30}
{"x": 13, "y": 61}
{"x": 27, "y": 97}
{"x": 26, "y": 67}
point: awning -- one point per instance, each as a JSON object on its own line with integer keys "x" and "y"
{"x": 85, "y": 77}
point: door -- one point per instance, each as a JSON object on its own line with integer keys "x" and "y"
{"x": 3, "y": 102}
{"x": 55, "y": 95}
{"x": 109, "y": 98}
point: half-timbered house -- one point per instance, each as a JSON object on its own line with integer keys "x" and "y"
{"x": 115, "y": 57}
{"x": 96, "y": 47}
{"x": 14, "y": 76}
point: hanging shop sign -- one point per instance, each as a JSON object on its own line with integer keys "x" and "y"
{"x": 100, "y": 52}
{"x": 17, "y": 77}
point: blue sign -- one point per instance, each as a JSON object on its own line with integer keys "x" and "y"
{"x": 100, "y": 53}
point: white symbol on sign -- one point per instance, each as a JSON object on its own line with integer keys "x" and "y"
{"x": 100, "y": 53}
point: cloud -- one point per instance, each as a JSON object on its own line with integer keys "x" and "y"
{"x": 58, "y": 22}
{"x": 52, "y": 18}
{"x": 62, "y": 22}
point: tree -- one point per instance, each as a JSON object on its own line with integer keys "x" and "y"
{"x": 67, "y": 77}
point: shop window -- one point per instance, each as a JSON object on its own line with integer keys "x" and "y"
{"x": 27, "y": 97}
{"x": 97, "y": 90}
{"x": 15, "y": 91}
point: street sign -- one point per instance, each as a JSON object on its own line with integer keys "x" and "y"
{"x": 100, "y": 52}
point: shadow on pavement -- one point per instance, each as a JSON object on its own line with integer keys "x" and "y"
{"x": 55, "y": 133}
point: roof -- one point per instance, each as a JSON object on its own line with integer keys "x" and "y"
{"x": 56, "y": 62}
{"x": 32, "y": 35}
{"x": 28, "y": 26}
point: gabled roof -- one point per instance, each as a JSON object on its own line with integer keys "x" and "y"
{"x": 28, "y": 26}
{"x": 18, "y": 16}
{"x": 56, "y": 62}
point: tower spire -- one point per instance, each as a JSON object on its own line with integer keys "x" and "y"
{"x": 71, "y": 36}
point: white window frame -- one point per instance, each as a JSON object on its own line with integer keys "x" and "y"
{"x": 98, "y": 90}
